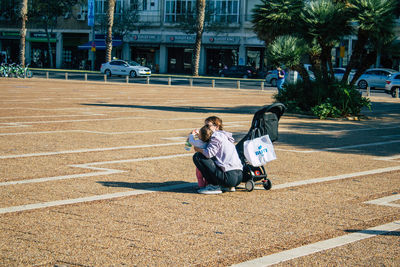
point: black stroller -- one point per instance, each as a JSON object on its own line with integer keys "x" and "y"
{"x": 265, "y": 121}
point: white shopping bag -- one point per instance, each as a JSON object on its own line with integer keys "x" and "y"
{"x": 259, "y": 151}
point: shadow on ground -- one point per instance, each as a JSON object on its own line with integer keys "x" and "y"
{"x": 228, "y": 110}
{"x": 352, "y": 137}
{"x": 172, "y": 186}
{"x": 374, "y": 232}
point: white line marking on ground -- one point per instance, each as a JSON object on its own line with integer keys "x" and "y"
{"x": 392, "y": 158}
{"x": 86, "y": 150}
{"x": 391, "y": 136}
{"x": 100, "y": 171}
{"x": 321, "y": 246}
{"x": 386, "y": 201}
{"x": 357, "y": 130}
{"x": 23, "y": 123}
{"x": 228, "y": 125}
{"x": 63, "y": 177}
{"x": 339, "y": 148}
{"x": 92, "y": 198}
{"x": 105, "y": 171}
{"x": 55, "y": 116}
{"x": 331, "y": 178}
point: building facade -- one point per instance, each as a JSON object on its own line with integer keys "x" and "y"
{"x": 158, "y": 40}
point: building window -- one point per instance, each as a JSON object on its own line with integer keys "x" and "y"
{"x": 225, "y": 11}
{"x": 220, "y": 10}
{"x": 176, "y": 10}
{"x": 144, "y": 5}
{"x": 101, "y": 6}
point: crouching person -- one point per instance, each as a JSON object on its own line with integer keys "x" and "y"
{"x": 219, "y": 162}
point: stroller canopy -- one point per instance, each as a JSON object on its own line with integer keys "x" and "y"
{"x": 277, "y": 108}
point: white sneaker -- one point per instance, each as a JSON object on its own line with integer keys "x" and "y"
{"x": 228, "y": 189}
{"x": 210, "y": 190}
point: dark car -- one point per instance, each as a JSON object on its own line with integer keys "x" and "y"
{"x": 239, "y": 72}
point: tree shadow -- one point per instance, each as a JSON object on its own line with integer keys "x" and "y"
{"x": 170, "y": 186}
{"x": 195, "y": 109}
{"x": 374, "y": 232}
{"x": 378, "y": 134}
{"x": 351, "y": 137}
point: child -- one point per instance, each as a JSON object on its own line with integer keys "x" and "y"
{"x": 203, "y": 136}
{"x": 215, "y": 124}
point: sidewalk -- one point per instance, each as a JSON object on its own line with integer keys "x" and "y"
{"x": 96, "y": 175}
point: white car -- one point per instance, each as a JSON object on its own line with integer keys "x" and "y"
{"x": 374, "y": 78}
{"x": 392, "y": 84}
{"x": 121, "y": 67}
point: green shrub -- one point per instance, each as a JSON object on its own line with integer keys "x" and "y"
{"x": 326, "y": 110}
{"x": 323, "y": 99}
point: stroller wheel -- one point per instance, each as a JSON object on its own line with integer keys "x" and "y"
{"x": 267, "y": 184}
{"x": 250, "y": 185}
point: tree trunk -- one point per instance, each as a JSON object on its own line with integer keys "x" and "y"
{"x": 304, "y": 75}
{"x": 110, "y": 22}
{"x": 357, "y": 53}
{"x": 24, "y": 18}
{"x": 200, "y": 7}
{"x": 49, "y": 46}
{"x": 366, "y": 61}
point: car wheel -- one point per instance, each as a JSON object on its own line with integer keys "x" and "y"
{"x": 132, "y": 74}
{"x": 245, "y": 76}
{"x": 108, "y": 73}
{"x": 362, "y": 84}
{"x": 393, "y": 92}
{"x": 273, "y": 82}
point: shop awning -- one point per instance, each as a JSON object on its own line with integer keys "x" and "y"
{"x": 100, "y": 44}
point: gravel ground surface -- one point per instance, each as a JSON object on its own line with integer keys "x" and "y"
{"x": 95, "y": 174}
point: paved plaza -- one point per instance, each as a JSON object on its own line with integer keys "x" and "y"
{"x": 95, "y": 174}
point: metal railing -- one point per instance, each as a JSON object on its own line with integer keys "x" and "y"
{"x": 155, "y": 79}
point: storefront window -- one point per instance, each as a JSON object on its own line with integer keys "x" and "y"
{"x": 254, "y": 57}
{"x": 177, "y": 63}
{"x": 218, "y": 59}
{"x": 145, "y": 57}
{"x": 40, "y": 56}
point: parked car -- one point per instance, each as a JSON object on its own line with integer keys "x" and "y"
{"x": 339, "y": 72}
{"x": 392, "y": 83}
{"x": 272, "y": 77}
{"x": 374, "y": 78}
{"x": 121, "y": 67}
{"x": 239, "y": 72}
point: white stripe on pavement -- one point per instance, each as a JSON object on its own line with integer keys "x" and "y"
{"x": 92, "y": 198}
{"x": 321, "y": 246}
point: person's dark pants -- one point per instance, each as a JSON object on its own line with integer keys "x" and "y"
{"x": 215, "y": 175}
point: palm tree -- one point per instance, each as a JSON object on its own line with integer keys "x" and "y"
{"x": 288, "y": 50}
{"x": 24, "y": 18}
{"x": 320, "y": 23}
{"x": 275, "y": 18}
{"x": 375, "y": 24}
{"x": 110, "y": 22}
{"x": 200, "y": 9}
{"x": 324, "y": 23}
